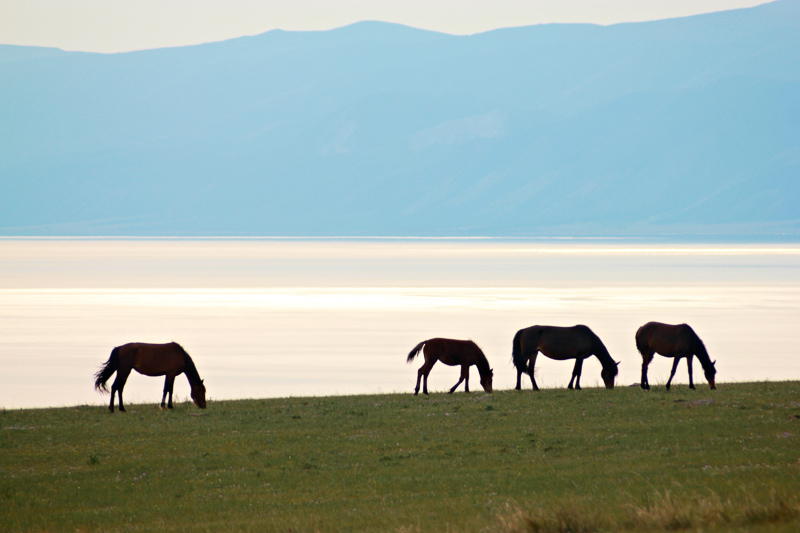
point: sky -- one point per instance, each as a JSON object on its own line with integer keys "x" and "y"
{"x": 124, "y": 25}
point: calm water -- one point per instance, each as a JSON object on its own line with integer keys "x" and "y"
{"x": 267, "y": 318}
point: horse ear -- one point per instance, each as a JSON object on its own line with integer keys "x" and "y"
{"x": 714, "y": 362}
{"x": 618, "y": 362}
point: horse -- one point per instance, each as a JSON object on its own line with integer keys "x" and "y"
{"x": 676, "y": 341}
{"x": 561, "y": 343}
{"x": 452, "y": 353}
{"x": 168, "y": 360}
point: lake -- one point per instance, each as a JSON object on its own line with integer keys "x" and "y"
{"x": 294, "y": 317}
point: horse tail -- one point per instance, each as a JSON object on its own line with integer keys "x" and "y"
{"x": 520, "y": 361}
{"x": 641, "y": 341}
{"x": 105, "y": 372}
{"x": 415, "y": 351}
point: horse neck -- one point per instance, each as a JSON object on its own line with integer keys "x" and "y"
{"x": 191, "y": 371}
{"x": 483, "y": 365}
{"x": 700, "y": 352}
{"x": 602, "y": 354}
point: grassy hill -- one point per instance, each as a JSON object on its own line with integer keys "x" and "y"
{"x": 554, "y": 460}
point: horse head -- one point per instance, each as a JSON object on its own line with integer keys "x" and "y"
{"x": 199, "y": 395}
{"x": 486, "y": 381}
{"x": 609, "y": 373}
{"x": 710, "y": 371}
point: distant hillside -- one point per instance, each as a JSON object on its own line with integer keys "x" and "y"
{"x": 682, "y": 127}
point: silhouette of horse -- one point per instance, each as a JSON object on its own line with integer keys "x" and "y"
{"x": 150, "y": 360}
{"x": 673, "y": 341}
{"x": 453, "y": 353}
{"x": 560, "y": 343}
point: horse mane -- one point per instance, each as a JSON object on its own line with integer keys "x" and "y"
{"x": 190, "y": 370}
{"x": 482, "y": 363}
{"x": 699, "y": 349}
{"x": 600, "y": 350}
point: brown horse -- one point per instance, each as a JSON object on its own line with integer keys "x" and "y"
{"x": 453, "y": 353}
{"x": 677, "y": 342}
{"x": 560, "y": 343}
{"x": 150, "y": 360}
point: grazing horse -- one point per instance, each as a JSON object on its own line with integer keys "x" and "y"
{"x": 150, "y": 360}
{"x": 560, "y": 343}
{"x": 673, "y": 341}
{"x": 453, "y": 353}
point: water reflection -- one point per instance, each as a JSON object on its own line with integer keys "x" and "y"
{"x": 266, "y": 318}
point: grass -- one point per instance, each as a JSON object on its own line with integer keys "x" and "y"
{"x": 554, "y": 460}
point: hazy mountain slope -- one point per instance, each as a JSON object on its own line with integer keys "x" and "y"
{"x": 688, "y": 126}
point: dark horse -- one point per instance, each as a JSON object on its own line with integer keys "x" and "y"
{"x": 150, "y": 360}
{"x": 577, "y": 342}
{"x": 673, "y": 341}
{"x": 453, "y": 353}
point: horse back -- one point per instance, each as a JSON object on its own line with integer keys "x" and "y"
{"x": 566, "y": 342}
{"x": 153, "y": 359}
{"x": 452, "y": 352}
{"x": 668, "y": 340}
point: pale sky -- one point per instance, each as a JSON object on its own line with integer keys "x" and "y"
{"x": 124, "y": 25}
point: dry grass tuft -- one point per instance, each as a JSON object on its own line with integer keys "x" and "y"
{"x": 661, "y": 512}
{"x": 668, "y": 512}
{"x": 571, "y": 517}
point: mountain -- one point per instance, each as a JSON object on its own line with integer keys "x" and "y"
{"x": 684, "y": 127}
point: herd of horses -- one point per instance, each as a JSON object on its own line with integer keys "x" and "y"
{"x": 559, "y": 343}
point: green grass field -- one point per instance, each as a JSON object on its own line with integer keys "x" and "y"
{"x": 553, "y": 460}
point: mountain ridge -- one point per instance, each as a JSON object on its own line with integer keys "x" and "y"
{"x": 684, "y": 126}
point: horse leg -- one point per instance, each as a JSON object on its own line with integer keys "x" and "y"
{"x": 422, "y": 372}
{"x": 529, "y": 371}
{"x": 531, "y": 364}
{"x": 464, "y": 376}
{"x": 576, "y": 374}
{"x": 169, "y": 382}
{"x": 119, "y": 384}
{"x": 646, "y": 360}
{"x": 579, "y": 366}
{"x": 426, "y": 369}
{"x": 689, "y": 363}
{"x": 674, "y": 368}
